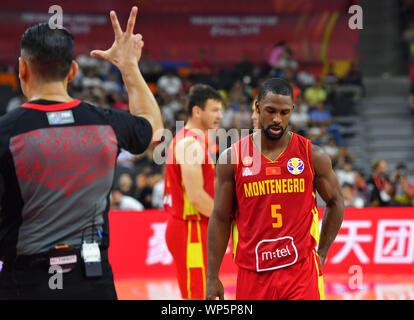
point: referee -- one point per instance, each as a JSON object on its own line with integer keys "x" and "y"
{"x": 57, "y": 158}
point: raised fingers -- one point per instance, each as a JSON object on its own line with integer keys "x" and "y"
{"x": 131, "y": 21}
{"x": 115, "y": 25}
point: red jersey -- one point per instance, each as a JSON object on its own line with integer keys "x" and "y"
{"x": 277, "y": 219}
{"x": 175, "y": 196}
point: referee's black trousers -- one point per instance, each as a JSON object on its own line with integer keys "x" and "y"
{"x": 28, "y": 278}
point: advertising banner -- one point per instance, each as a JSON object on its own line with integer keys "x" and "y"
{"x": 374, "y": 240}
{"x": 378, "y": 240}
{"x": 138, "y": 247}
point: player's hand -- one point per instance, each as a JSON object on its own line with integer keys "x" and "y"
{"x": 127, "y": 47}
{"x": 214, "y": 290}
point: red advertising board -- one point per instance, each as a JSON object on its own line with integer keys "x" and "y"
{"x": 378, "y": 240}
{"x": 138, "y": 247}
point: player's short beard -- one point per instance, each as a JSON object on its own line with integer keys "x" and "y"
{"x": 208, "y": 125}
{"x": 269, "y": 135}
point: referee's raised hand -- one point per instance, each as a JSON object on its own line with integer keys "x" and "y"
{"x": 127, "y": 47}
{"x": 125, "y": 53}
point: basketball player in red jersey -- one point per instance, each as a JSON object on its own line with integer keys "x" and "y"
{"x": 267, "y": 183}
{"x": 189, "y": 191}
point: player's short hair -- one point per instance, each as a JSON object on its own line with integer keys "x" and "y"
{"x": 198, "y": 96}
{"x": 48, "y": 51}
{"x": 275, "y": 85}
{"x": 375, "y": 163}
{"x": 361, "y": 173}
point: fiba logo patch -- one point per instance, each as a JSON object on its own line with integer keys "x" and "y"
{"x": 295, "y": 166}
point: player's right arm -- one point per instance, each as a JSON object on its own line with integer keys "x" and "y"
{"x": 190, "y": 155}
{"x": 125, "y": 54}
{"x": 219, "y": 226}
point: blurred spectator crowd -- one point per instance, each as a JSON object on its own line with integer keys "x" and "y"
{"x": 319, "y": 95}
{"x": 407, "y": 33}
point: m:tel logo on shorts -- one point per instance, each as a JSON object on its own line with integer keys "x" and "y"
{"x": 274, "y": 254}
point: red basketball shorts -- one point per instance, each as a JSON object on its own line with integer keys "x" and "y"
{"x": 301, "y": 281}
{"x": 187, "y": 243}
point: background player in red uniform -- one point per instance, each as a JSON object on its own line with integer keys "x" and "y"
{"x": 267, "y": 182}
{"x": 189, "y": 191}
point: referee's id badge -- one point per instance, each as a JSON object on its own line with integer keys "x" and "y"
{"x": 64, "y": 256}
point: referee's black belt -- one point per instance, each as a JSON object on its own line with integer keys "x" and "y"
{"x": 24, "y": 262}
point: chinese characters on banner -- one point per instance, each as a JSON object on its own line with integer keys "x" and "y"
{"x": 380, "y": 240}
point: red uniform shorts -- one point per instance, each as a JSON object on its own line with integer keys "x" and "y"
{"x": 187, "y": 243}
{"x": 301, "y": 281}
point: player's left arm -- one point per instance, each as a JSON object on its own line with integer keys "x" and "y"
{"x": 327, "y": 185}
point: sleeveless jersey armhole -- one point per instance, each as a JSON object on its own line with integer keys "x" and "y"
{"x": 309, "y": 157}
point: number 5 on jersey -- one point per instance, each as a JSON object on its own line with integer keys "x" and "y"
{"x": 277, "y": 215}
